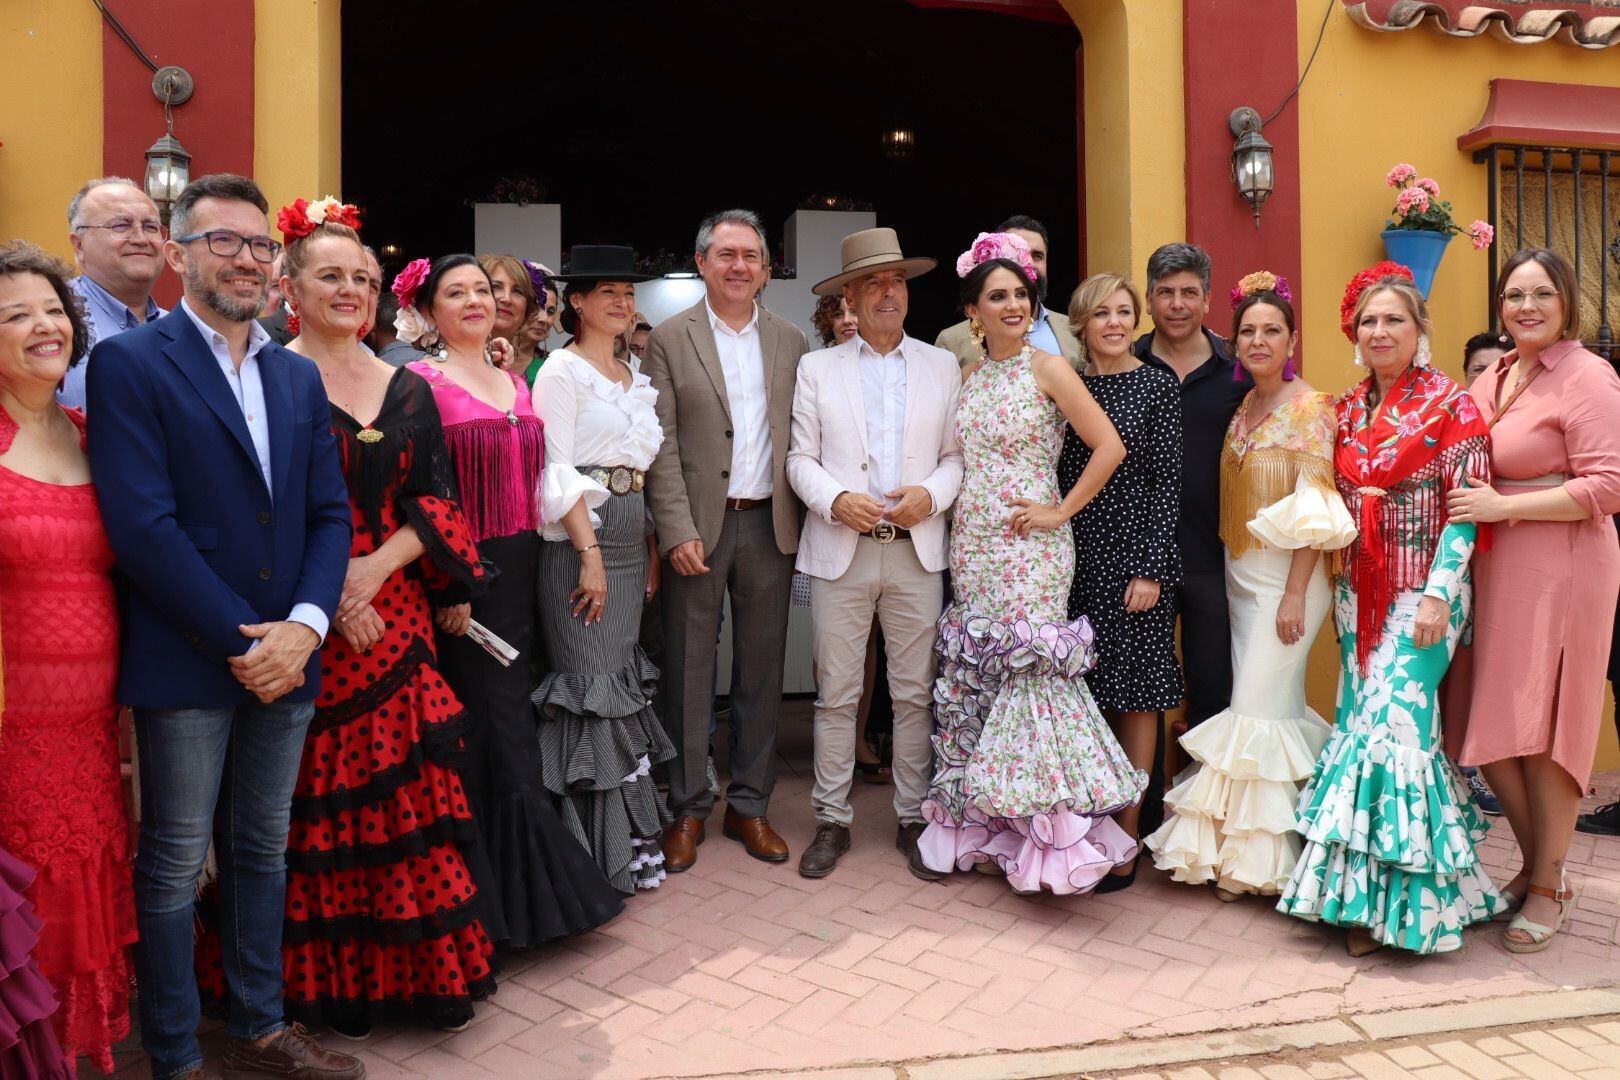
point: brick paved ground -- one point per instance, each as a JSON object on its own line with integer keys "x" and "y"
{"x": 1588, "y": 1049}
{"x": 737, "y": 965}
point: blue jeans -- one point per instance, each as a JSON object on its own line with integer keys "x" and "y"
{"x": 228, "y": 773}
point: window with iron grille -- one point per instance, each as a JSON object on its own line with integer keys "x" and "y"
{"x": 1568, "y": 200}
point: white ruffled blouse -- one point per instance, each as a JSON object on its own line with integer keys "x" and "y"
{"x": 591, "y": 422}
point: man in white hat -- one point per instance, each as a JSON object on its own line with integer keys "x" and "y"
{"x": 874, "y": 457}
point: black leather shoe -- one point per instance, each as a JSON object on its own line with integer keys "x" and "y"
{"x": 906, "y": 840}
{"x": 822, "y": 855}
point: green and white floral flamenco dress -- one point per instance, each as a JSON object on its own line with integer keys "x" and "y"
{"x": 1388, "y": 829}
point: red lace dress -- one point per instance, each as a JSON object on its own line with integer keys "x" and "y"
{"x": 61, "y": 801}
{"x": 383, "y": 919}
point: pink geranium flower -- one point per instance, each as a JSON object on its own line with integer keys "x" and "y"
{"x": 1400, "y": 174}
{"x": 1430, "y": 186}
{"x": 1482, "y": 234}
{"x": 1412, "y": 200}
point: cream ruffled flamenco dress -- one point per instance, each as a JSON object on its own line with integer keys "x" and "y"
{"x": 1232, "y": 813}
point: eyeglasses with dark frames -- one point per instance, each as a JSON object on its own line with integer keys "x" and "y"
{"x": 226, "y": 244}
{"x": 124, "y": 229}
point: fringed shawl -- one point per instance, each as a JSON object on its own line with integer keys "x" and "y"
{"x": 1263, "y": 464}
{"x": 1395, "y": 463}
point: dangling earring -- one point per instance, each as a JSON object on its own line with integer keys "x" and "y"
{"x": 1356, "y": 358}
{"x": 976, "y": 328}
{"x": 1238, "y": 371}
{"x": 293, "y": 325}
{"x": 1425, "y": 353}
{"x": 1289, "y": 372}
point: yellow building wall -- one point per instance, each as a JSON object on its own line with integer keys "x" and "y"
{"x": 1371, "y": 100}
{"x": 1135, "y": 172}
{"x": 298, "y": 99}
{"x": 50, "y": 115}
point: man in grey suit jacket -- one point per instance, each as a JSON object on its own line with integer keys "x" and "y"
{"x": 1050, "y": 331}
{"x": 726, "y": 520}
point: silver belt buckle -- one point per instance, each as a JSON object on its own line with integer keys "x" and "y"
{"x": 884, "y": 532}
{"x": 620, "y": 478}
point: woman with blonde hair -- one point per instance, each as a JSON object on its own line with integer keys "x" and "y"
{"x": 1126, "y": 557}
{"x": 1388, "y": 828}
{"x": 1547, "y": 589}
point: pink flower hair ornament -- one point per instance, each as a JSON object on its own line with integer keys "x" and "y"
{"x": 408, "y": 280}
{"x": 987, "y": 246}
{"x": 1260, "y": 281}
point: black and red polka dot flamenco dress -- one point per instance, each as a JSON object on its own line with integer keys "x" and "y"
{"x": 384, "y": 868}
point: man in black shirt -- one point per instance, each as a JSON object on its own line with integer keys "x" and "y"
{"x": 1178, "y": 299}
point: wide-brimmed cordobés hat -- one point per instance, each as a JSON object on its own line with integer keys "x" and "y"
{"x": 867, "y": 252}
{"x": 602, "y": 262}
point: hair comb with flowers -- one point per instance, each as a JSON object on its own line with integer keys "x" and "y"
{"x": 1358, "y": 285}
{"x": 540, "y": 276}
{"x": 304, "y": 217}
{"x": 1258, "y": 282}
{"x": 409, "y": 326}
{"x": 996, "y": 245}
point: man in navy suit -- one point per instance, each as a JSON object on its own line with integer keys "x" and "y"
{"x": 219, "y": 482}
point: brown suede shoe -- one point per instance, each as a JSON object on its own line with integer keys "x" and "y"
{"x": 822, "y": 855}
{"x": 291, "y": 1053}
{"x": 906, "y": 840}
{"x": 681, "y": 839}
{"x": 756, "y": 835}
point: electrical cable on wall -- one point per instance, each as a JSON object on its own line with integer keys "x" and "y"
{"x": 1320, "y": 33}
{"x": 124, "y": 35}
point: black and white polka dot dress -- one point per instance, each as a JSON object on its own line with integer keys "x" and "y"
{"x": 1129, "y": 530}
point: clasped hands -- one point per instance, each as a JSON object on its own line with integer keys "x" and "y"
{"x": 861, "y": 512}
{"x": 275, "y": 666}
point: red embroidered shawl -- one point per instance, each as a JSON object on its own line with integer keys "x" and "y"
{"x": 1395, "y": 466}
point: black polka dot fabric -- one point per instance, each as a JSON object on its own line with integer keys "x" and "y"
{"x": 1129, "y": 530}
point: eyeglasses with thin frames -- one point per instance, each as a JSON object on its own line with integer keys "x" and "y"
{"x": 1543, "y": 297}
{"x": 123, "y": 229}
{"x": 226, "y": 244}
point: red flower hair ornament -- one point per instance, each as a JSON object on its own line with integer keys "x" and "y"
{"x": 1359, "y": 284}
{"x": 304, "y": 217}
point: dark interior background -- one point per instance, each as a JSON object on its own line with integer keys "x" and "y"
{"x": 640, "y": 116}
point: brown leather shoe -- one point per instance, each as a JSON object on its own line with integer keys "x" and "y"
{"x": 822, "y": 855}
{"x": 291, "y": 1053}
{"x": 681, "y": 839}
{"x": 756, "y": 835}
{"x": 906, "y": 840}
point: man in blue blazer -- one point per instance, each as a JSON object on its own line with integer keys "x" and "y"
{"x": 220, "y": 487}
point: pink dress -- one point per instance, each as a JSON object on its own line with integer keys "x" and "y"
{"x": 1546, "y": 590}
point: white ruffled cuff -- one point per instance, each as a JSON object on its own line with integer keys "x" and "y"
{"x": 1311, "y": 517}
{"x": 561, "y": 486}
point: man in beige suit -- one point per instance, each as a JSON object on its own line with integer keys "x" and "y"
{"x": 875, "y": 460}
{"x": 1050, "y": 330}
{"x": 727, "y": 521}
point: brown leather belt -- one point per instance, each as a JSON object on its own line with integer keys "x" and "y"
{"x": 746, "y": 504}
{"x": 887, "y": 533}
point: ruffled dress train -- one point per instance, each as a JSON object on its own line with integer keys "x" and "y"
{"x": 28, "y": 1046}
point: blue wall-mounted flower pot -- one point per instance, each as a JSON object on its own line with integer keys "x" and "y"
{"x": 1419, "y": 249}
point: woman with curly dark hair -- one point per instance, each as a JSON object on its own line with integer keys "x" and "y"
{"x": 62, "y": 811}
{"x": 834, "y": 321}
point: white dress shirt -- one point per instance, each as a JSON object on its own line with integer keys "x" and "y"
{"x": 883, "y": 390}
{"x": 247, "y": 386}
{"x": 742, "y": 359}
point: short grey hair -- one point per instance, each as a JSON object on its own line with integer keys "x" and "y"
{"x": 705, "y": 233}
{"x": 1175, "y": 258}
{"x": 76, "y": 203}
{"x": 228, "y": 187}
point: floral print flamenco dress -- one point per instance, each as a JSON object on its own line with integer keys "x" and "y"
{"x": 1026, "y": 769}
{"x": 1388, "y": 828}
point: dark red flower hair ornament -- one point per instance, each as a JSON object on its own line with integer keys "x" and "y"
{"x": 1358, "y": 285}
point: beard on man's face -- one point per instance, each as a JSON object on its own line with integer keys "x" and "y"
{"x": 223, "y": 303}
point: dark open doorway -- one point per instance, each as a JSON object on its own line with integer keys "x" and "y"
{"x": 642, "y": 115}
